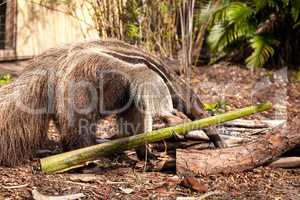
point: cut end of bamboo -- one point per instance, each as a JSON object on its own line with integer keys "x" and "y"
{"x": 264, "y": 106}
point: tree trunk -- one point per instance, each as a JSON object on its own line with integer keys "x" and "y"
{"x": 237, "y": 159}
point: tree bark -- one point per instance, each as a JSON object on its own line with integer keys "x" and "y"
{"x": 238, "y": 159}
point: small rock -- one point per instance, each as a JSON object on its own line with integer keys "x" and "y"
{"x": 83, "y": 178}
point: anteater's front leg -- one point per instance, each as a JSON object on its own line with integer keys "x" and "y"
{"x": 135, "y": 121}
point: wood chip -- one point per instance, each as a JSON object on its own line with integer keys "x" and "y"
{"x": 38, "y": 196}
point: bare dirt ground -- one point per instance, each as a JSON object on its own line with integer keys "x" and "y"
{"x": 123, "y": 178}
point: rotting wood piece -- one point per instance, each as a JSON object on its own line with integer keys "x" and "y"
{"x": 237, "y": 159}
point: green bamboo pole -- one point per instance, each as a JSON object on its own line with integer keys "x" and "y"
{"x": 73, "y": 159}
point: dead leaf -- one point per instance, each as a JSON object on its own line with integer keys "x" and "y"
{"x": 193, "y": 183}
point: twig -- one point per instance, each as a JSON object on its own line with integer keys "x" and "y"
{"x": 15, "y": 186}
{"x": 204, "y": 196}
{"x": 38, "y": 196}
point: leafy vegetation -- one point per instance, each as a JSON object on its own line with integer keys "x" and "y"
{"x": 256, "y": 32}
{"x": 217, "y": 107}
{"x": 5, "y": 79}
{"x": 270, "y": 28}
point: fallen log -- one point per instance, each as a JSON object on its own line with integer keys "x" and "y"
{"x": 237, "y": 159}
{"x": 77, "y": 158}
{"x": 286, "y": 162}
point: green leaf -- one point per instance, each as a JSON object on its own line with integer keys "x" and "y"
{"x": 239, "y": 13}
{"x": 233, "y": 13}
{"x": 164, "y": 7}
{"x": 259, "y": 4}
{"x": 211, "y": 106}
{"x": 231, "y": 23}
{"x": 5, "y": 79}
{"x": 295, "y": 10}
{"x": 205, "y": 10}
{"x": 215, "y": 107}
{"x": 262, "y": 50}
{"x": 296, "y": 25}
{"x": 133, "y": 31}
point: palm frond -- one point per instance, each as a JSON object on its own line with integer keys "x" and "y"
{"x": 295, "y": 10}
{"x": 203, "y": 12}
{"x": 217, "y": 37}
{"x": 221, "y": 35}
{"x": 262, "y": 50}
{"x": 239, "y": 13}
{"x": 296, "y": 25}
{"x": 236, "y": 12}
{"x": 259, "y": 5}
{"x": 262, "y": 4}
{"x": 231, "y": 23}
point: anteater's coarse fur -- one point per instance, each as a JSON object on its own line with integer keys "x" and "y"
{"x": 77, "y": 84}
